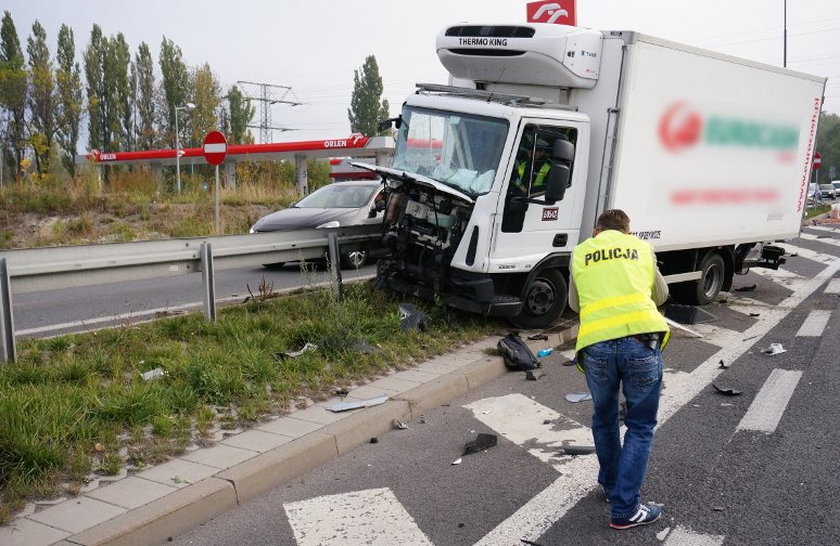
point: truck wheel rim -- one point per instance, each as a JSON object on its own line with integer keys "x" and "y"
{"x": 356, "y": 258}
{"x": 540, "y": 297}
{"x": 714, "y": 279}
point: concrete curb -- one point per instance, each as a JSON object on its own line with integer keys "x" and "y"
{"x": 190, "y": 506}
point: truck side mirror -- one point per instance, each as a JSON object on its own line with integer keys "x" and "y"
{"x": 385, "y": 124}
{"x": 562, "y": 155}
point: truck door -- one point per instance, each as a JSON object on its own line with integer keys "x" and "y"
{"x": 527, "y": 231}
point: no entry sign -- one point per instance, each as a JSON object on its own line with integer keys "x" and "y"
{"x": 817, "y": 160}
{"x": 215, "y": 147}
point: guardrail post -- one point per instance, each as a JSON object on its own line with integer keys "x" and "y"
{"x": 7, "y": 323}
{"x": 335, "y": 265}
{"x": 208, "y": 281}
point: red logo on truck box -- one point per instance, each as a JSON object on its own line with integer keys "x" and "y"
{"x": 680, "y": 127}
{"x": 560, "y": 12}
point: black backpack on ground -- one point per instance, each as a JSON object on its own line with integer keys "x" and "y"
{"x": 518, "y": 356}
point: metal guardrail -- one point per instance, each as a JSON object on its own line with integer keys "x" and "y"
{"x": 39, "y": 269}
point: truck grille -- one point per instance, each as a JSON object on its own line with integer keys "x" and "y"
{"x": 487, "y": 31}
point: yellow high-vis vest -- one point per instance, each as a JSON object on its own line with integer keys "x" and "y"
{"x": 538, "y": 179}
{"x": 614, "y": 276}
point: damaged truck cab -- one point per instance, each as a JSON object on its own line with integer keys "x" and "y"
{"x": 498, "y": 176}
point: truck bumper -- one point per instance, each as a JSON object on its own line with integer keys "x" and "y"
{"x": 474, "y": 295}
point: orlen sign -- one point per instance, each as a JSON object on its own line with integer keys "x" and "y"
{"x": 682, "y": 127}
{"x": 560, "y": 12}
{"x": 356, "y": 140}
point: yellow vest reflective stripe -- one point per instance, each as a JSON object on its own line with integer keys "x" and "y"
{"x": 614, "y": 276}
{"x": 541, "y": 174}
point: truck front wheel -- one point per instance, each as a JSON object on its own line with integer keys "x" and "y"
{"x": 544, "y": 299}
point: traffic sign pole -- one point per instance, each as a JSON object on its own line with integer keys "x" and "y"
{"x": 218, "y": 230}
{"x": 215, "y": 150}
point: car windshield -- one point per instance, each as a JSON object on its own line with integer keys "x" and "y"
{"x": 826, "y": 187}
{"x": 338, "y": 196}
{"x": 461, "y": 151}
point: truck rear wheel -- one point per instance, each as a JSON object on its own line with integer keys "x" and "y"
{"x": 544, "y": 300}
{"x": 705, "y": 289}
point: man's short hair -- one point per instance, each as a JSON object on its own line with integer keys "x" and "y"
{"x": 613, "y": 219}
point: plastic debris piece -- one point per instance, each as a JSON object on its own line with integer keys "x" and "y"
{"x": 750, "y": 288}
{"x": 688, "y": 314}
{"x": 578, "y": 450}
{"x": 726, "y": 390}
{"x": 546, "y": 421}
{"x": 544, "y": 352}
{"x": 399, "y": 425}
{"x": 534, "y": 337}
{"x": 356, "y": 404}
{"x": 722, "y": 365}
{"x": 775, "y": 349}
{"x": 457, "y": 461}
{"x": 412, "y": 318}
{"x": 718, "y": 508}
{"x": 529, "y": 375}
{"x": 483, "y": 441}
{"x": 571, "y": 362}
{"x": 755, "y": 314}
{"x": 374, "y": 440}
{"x": 153, "y": 374}
{"x": 294, "y": 354}
{"x": 576, "y": 397}
{"x": 341, "y": 393}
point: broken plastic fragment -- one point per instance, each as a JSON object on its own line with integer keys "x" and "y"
{"x": 399, "y": 425}
{"x": 457, "y": 461}
{"x": 153, "y": 374}
{"x": 529, "y": 375}
{"x": 576, "y": 397}
{"x": 775, "y": 349}
{"x": 726, "y": 390}
{"x": 535, "y": 337}
{"x": 578, "y": 450}
{"x": 483, "y": 441}
{"x": 294, "y": 354}
{"x": 356, "y": 404}
{"x": 723, "y": 365}
{"x": 412, "y": 318}
{"x": 544, "y": 352}
{"x": 750, "y": 288}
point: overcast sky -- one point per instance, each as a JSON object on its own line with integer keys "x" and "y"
{"x": 314, "y": 46}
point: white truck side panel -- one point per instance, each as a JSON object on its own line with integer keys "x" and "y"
{"x": 711, "y": 150}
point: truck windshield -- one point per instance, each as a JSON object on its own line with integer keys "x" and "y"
{"x": 459, "y": 150}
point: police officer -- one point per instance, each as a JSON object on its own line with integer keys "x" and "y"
{"x": 531, "y": 168}
{"x": 616, "y": 287}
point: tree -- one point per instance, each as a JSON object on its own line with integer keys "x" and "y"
{"x": 175, "y": 82}
{"x": 367, "y": 107}
{"x": 116, "y": 61}
{"x": 13, "y": 94}
{"x": 207, "y": 97}
{"x": 69, "y": 97}
{"x": 240, "y": 112}
{"x": 828, "y": 144}
{"x": 41, "y": 97}
{"x": 93, "y": 58}
{"x": 144, "y": 68}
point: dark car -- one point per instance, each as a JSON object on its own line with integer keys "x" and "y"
{"x": 350, "y": 203}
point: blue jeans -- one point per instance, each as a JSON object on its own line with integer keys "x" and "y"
{"x": 637, "y": 368}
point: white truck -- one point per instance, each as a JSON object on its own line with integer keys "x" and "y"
{"x": 710, "y": 155}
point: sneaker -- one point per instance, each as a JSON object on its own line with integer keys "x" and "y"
{"x": 646, "y": 513}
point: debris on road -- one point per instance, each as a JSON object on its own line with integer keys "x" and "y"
{"x": 516, "y": 353}
{"x": 722, "y": 365}
{"x": 153, "y": 374}
{"x": 535, "y": 337}
{"x": 399, "y": 425}
{"x": 374, "y": 440}
{"x": 726, "y": 390}
{"x": 687, "y": 314}
{"x": 750, "y": 288}
{"x": 774, "y": 349}
{"x": 457, "y": 461}
{"x": 356, "y": 404}
{"x": 542, "y": 353}
{"x": 571, "y": 362}
{"x": 755, "y": 314}
{"x": 294, "y": 354}
{"x": 483, "y": 441}
{"x": 412, "y": 318}
{"x": 530, "y": 376}
{"x": 576, "y": 397}
{"x": 578, "y": 450}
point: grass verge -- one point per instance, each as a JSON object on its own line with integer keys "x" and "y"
{"x": 76, "y": 407}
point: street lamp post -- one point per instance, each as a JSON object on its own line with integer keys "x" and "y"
{"x": 187, "y": 106}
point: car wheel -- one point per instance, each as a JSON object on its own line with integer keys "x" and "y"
{"x": 355, "y": 259}
{"x": 544, "y": 300}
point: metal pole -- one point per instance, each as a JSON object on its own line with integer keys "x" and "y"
{"x": 208, "y": 281}
{"x": 335, "y": 265}
{"x": 784, "y": 60}
{"x": 218, "y": 226}
{"x": 7, "y": 323}
{"x": 177, "y": 155}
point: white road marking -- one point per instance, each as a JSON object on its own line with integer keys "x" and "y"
{"x": 521, "y": 420}
{"x": 372, "y": 516}
{"x": 822, "y": 239}
{"x": 683, "y": 536}
{"x": 821, "y": 228}
{"x": 807, "y": 253}
{"x": 833, "y": 287}
{"x": 814, "y": 324}
{"x": 534, "y": 518}
{"x": 769, "y": 404}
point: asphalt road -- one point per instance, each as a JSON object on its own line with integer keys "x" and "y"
{"x": 756, "y": 468}
{"x": 41, "y": 314}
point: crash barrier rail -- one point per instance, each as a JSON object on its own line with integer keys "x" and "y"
{"x": 38, "y": 269}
